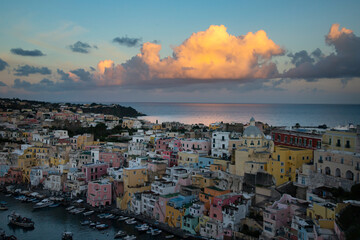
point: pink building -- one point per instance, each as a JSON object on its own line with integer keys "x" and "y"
{"x": 217, "y": 205}
{"x": 99, "y": 193}
{"x": 13, "y": 176}
{"x": 198, "y": 145}
{"x": 281, "y": 212}
{"x": 175, "y": 145}
{"x": 162, "y": 144}
{"x": 114, "y": 159}
{"x": 170, "y": 156}
{"x": 94, "y": 171}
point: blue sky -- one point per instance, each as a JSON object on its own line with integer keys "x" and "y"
{"x": 52, "y": 27}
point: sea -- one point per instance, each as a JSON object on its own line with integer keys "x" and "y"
{"x": 332, "y": 115}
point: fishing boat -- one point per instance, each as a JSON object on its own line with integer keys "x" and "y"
{"x": 130, "y": 221}
{"x": 70, "y": 208}
{"x": 155, "y": 232}
{"x": 104, "y": 215}
{"x": 122, "y": 218}
{"x": 142, "y": 228}
{"x": 67, "y": 236}
{"x": 110, "y": 216}
{"x": 102, "y": 226}
{"x": 129, "y": 237}
{"x": 169, "y": 236}
{"x": 88, "y": 213}
{"x": 92, "y": 224}
{"x": 78, "y": 210}
{"x": 120, "y": 234}
{"x": 85, "y": 222}
{"x": 43, "y": 203}
{"x": 23, "y": 222}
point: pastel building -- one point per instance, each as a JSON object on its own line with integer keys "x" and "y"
{"x": 160, "y": 206}
{"x": 94, "y": 171}
{"x": 220, "y": 144}
{"x": 286, "y": 161}
{"x": 188, "y": 159}
{"x": 114, "y": 159}
{"x": 300, "y": 139}
{"x": 202, "y": 146}
{"x": 99, "y": 193}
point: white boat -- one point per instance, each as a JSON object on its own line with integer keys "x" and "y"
{"x": 70, "y": 208}
{"x": 122, "y": 218}
{"x": 78, "y": 210}
{"x": 88, "y": 213}
{"x": 120, "y": 234}
{"x": 109, "y": 216}
{"x": 143, "y": 227}
{"x": 155, "y": 232}
{"x": 128, "y": 237}
{"x": 43, "y": 203}
{"x": 130, "y": 221}
{"x": 169, "y": 236}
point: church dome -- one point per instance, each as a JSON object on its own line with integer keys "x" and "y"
{"x": 252, "y": 131}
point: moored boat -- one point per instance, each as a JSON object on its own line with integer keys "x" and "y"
{"x": 120, "y": 234}
{"x": 3, "y": 207}
{"x": 169, "y": 236}
{"x": 130, "y": 237}
{"x": 23, "y": 222}
{"x": 86, "y": 222}
{"x": 130, "y": 221}
{"x": 102, "y": 226}
{"x": 122, "y": 218}
{"x": 155, "y": 232}
{"x": 70, "y": 208}
{"x": 88, "y": 213}
{"x": 43, "y": 203}
{"x": 54, "y": 205}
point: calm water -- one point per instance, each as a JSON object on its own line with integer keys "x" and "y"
{"x": 51, "y": 222}
{"x": 273, "y": 114}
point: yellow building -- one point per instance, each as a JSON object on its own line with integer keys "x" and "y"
{"x": 174, "y": 216}
{"x": 135, "y": 180}
{"x": 203, "y": 180}
{"x": 84, "y": 140}
{"x": 32, "y": 157}
{"x": 215, "y": 126}
{"x": 325, "y": 213}
{"x": 252, "y": 152}
{"x": 340, "y": 140}
{"x": 188, "y": 159}
{"x": 284, "y": 162}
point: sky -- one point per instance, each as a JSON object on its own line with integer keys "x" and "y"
{"x": 181, "y": 51}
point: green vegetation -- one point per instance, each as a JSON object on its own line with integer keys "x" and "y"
{"x": 340, "y": 194}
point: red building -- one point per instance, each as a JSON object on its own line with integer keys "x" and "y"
{"x": 13, "y": 176}
{"x": 162, "y": 144}
{"x": 296, "y": 139}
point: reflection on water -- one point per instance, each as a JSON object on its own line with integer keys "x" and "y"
{"x": 273, "y": 114}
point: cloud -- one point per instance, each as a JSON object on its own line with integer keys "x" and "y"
{"x": 82, "y": 74}
{"x": 3, "y": 64}
{"x": 2, "y": 84}
{"x": 81, "y": 47}
{"x": 29, "y": 53}
{"x": 128, "y": 42}
{"x": 206, "y": 56}
{"x": 343, "y": 63}
{"x": 25, "y": 70}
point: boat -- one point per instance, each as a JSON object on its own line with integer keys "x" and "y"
{"x": 129, "y": 237}
{"x": 169, "y": 236}
{"x": 67, "y": 236}
{"x": 130, "y": 221}
{"x": 3, "y": 203}
{"x": 23, "y": 222}
{"x": 120, "y": 234}
{"x": 85, "y": 222}
{"x": 155, "y": 232}
{"x": 104, "y": 215}
{"x": 92, "y": 224}
{"x": 111, "y": 216}
{"x": 102, "y": 226}
{"x": 142, "y": 228}
{"x": 55, "y": 205}
{"x": 122, "y": 218}
{"x": 43, "y": 203}
{"x": 8, "y": 195}
{"x": 88, "y": 213}
{"x": 78, "y": 210}
{"x": 70, "y": 208}
{"x": 3, "y": 207}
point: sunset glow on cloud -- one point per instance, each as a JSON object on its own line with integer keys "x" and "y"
{"x": 210, "y": 54}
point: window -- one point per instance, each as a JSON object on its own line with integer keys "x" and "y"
{"x": 304, "y": 142}
{"x": 347, "y": 145}
{"x": 286, "y": 138}
{"x": 278, "y": 157}
{"x": 342, "y": 160}
{"x": 291, "y": 140}
{"x": 295, "y": 140}
{"x": 282, "y": 170}
{"x": 310, "y": 142}
{"x": 279, "y": 137}
{"x": 338, "y": 143}
{"x": 282, "y": 163}
{"x": 289, "y": 157}
{"x": 300, "y": 140}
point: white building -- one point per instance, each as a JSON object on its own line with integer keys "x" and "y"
{"x": 163, "y": 187}
{"x": 53, "y": 183}
{"x": 148, "y": 201}
{"x": 220, "y": 144}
